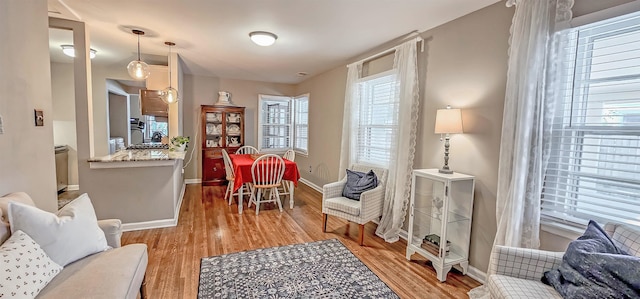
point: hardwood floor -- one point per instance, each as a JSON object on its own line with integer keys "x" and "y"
{"x": 209, "y": 226}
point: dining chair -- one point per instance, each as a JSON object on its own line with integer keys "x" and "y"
{"x": 228, "y": 168}
{"x": 246, "y": 149}
{"x": 266, "y": 172}
{"x": 291, "y": 156}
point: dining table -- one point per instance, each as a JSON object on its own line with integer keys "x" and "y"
{"x": 242, "y": 169}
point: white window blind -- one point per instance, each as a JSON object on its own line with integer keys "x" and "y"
{"x": 275, "y": 123}
{"x": 594, "y": 167}
{"x": 377, "y": 120}
{"x": 301, "y": 124}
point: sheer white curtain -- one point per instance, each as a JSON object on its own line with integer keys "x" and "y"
{"x": 403, "y": 142}
{"x": 536, "y": 44}
{"x": 530, "y": 99}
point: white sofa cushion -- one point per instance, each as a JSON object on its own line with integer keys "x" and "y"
{"x": 67, "y": 236}
{"x": 25, "y": 269}
{"x": 343, "y": 204}
{"x": 502, "y": 286}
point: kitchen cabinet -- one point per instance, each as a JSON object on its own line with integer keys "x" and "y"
{"x": 440, "y": 219}
{"x": 222, "y": 127}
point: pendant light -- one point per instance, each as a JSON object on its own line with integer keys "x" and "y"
{"x": 138, "y": 69}
{"x": 169, "y": 95}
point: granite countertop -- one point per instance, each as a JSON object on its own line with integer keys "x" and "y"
{"x": 140, "y": 155}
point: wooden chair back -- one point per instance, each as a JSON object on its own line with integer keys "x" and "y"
{"x": 267, "y": 171}
{"x": 247, "y": 149}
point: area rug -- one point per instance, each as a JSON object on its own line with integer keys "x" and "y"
{"x": 323, "y": 269}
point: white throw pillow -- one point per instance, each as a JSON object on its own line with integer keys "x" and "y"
{"x": 25, "y": 269}
{"x": 67, "y": 236}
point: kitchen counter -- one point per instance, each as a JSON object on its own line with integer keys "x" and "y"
{"x": 137, "y": 158}
{"x": 140, "y": 155}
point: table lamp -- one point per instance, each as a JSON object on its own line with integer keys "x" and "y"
{"x": 448, "y": 121}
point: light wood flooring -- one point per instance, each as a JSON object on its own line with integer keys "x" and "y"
{"x": 209, "y": 226}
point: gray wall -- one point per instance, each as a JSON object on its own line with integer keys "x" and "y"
{"x": 464, "y": 65}
{"x": 64, "y": 114}
{"x": 119, "y": 117}
{"x": 26, "y": 152}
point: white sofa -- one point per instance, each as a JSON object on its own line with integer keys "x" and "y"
{"x": 517, "y": 272}
{"x": 112, "y": 274}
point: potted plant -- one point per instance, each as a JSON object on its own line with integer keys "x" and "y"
{"x": 179, "y": 143}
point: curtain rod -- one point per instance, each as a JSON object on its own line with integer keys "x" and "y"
{"x": 387, "y": 51}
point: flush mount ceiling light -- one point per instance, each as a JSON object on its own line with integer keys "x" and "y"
{"x": 263, "y": 38}
{"x": 69, "y": 51}
{"x": 138, "y": 69}
{"x": 169, "y": 95}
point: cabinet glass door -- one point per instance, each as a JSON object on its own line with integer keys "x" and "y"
{"x": 234, "y": 129}
{"x": 213, "y": 130}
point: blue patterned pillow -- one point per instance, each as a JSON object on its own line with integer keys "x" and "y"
{"x": 358, "y": 182}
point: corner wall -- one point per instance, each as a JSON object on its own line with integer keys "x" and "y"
{"x": 27, "y": 161}
{"x": 202, "y": 90}
{"x": 464, "y": 65}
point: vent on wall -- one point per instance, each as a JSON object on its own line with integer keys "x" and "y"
{"x": 152, "y": 104}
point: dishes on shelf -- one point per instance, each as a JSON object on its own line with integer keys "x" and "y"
{"x": 214, "y": 117}
{"x": 233, "y": 117}
{"x": 214, "y": 129}
{"x": 233, "y": 130}
{"x": 233, "y": 141}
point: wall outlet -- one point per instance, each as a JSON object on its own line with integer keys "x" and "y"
{"x": 309, "y": 168}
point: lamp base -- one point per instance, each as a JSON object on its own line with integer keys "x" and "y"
{"x": 447, "y": 171}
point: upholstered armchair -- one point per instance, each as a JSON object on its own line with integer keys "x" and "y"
{"x": 368, "y": 208}
{"x": 516, "y": 272}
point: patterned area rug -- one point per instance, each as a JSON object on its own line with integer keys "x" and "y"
{"x": 323, "y": 269}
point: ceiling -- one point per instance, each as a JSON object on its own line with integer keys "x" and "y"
{"x": 212, "y": 38}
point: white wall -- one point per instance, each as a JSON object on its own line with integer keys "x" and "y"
{"x": 64, "y": 114}
{"x": 27, "y": 160}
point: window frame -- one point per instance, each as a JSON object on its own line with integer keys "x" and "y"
{"x": 297, "y": 123}
{"x": 291, "y": 123}
{"x": 362, "y": 127}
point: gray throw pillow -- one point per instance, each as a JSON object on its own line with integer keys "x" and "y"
{"x": 358, "y": 182}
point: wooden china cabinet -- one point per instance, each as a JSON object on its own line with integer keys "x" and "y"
{"x": 222, "y": 128}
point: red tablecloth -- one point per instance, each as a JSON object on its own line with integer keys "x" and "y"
{"x": 242, "y": 169}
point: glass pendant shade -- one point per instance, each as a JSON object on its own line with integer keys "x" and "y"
{"x": 169, "y": 95}
{"x": 138, "y": 70}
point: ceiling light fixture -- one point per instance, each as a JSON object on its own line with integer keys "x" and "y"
{"x": 138, "y": 69}
{"x": 263, "y": 38}
{"x": 69, "y": 51}
{"x": 169, "y": 95}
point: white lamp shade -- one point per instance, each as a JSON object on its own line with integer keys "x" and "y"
{"x": 448, "y": 121}
{"x": 263, "y": 38}
{"x": 138, "y": 70}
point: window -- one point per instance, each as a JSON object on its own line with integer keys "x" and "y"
{"x": 155, "y": 125}
{"x": 283, "y": 123}
{"x": 378, "y": 119}
{"x": 301, "y": 124}
{"x": 594, "y": 167}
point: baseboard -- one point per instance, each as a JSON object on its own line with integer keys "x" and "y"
{"x": 126, "y": 227}
{"x": 476, "y": 274}
{"x": 310, "y": 184}
{"x": 472, "y": 271}
{"x": 192, "y": 181}
{"x": 73, "y": 187}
